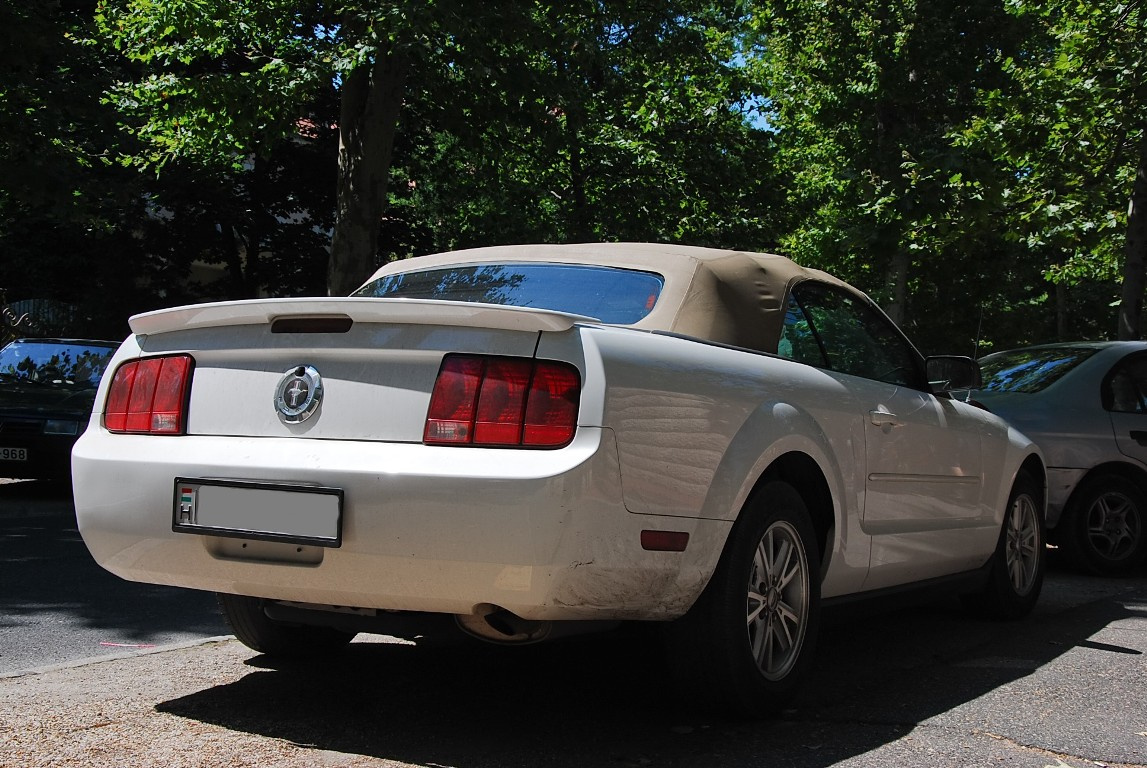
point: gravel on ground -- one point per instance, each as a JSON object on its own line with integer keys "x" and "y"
{"x": 104, "y": 713}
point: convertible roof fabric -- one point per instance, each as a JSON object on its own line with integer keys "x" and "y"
{"x": 730, "y": 297}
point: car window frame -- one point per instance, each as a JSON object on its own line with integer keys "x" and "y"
{"x": 1106, "y": 391}
{"x": 867, "y": 315}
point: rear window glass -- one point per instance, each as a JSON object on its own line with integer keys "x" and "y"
{"x": 1030, "y": 370}
{"x": 54, "y": 362}
{"x": 619, "y": 296}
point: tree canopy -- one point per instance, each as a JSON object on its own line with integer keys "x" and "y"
{"x": 980, "y": 168}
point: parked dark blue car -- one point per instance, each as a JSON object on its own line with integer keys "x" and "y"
{"x": 47, "y": 387}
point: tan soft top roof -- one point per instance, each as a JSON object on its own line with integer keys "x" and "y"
{"x": 731, "y": 297}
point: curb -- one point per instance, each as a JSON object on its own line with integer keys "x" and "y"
{"x": 115, "y": 657}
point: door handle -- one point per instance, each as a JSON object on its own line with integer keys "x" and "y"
{"x": 883, "y": 419}
{"x": 1139, "y": 436}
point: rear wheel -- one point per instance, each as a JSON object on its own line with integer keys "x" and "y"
{"x": 747, "y": 643}
{"x": 1103, "y": 529}
{"x": 1016, "y": 576}
{"x": 254, "y": 629}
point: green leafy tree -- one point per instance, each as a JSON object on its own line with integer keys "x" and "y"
{"x": 68, "y": 216}
{"x": 599, "y": 121}
{"x": 863, "y": 97}
{"x": 52, "y": 126}
{"x": 223, "y": 84}
{"x": 524, "y": 121}
{"x": 1070, "y": 127}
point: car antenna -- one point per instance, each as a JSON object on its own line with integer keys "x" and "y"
{"x": 976, "y": 348}
{"x": 979, "y": 328}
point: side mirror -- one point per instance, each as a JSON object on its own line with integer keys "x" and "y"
{"x": 951, "y": 372}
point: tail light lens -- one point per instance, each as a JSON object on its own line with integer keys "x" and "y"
{"x": 503, "y": 401}
{"x": 149, "y": 396}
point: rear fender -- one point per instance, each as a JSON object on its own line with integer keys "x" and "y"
{"x": 764, "y": 449}
{"x": 773, "y": 430}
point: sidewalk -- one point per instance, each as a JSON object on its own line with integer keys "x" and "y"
{"x": 1064, "y": 689}
{"x": 110, "y": 712}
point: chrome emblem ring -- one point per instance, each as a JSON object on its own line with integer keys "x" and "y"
{"x": 299, "y": 394}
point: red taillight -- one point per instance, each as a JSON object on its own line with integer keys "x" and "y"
{"x": 500, "y": 401}
{"x": 551, "y": 411}
{"x": 149, "y": 396}
{"x": 455, "y": 398}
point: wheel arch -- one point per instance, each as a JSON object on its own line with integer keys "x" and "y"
{"x": 1123, "y": 469}
{"x": 803, "y": 473}
{"x": 1078, "y": 539}
{"x": 1034, "y": 467}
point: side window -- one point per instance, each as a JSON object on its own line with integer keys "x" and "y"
{"x": 1125, "y": 387}
{"x": 850, "y": 337}
{"x": 798, "y": 341}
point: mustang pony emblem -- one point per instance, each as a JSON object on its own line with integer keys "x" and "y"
{"x": 299, "y": 394}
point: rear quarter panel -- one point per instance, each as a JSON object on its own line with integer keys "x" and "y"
{"x": 697, "y": 425}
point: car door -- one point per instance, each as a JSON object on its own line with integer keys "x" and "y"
{"x": 923, "y": 479}
{"x": 1124, "y": 394}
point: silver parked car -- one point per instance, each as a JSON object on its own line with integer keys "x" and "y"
{"x": 1085, "y": 405}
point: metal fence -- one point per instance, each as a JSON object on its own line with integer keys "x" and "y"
{"x": 41, "y": 318}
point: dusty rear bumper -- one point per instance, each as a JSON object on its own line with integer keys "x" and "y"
{"x": 543, "y": 534}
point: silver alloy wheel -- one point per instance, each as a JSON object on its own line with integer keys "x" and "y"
{"x": 777, "y": 612}
{"x": 1023, "y": 546}
{"x": 1113, "y": 525}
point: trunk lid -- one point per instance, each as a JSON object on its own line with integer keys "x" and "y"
{"x": 377, "y": 359}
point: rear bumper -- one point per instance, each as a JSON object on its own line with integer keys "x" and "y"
{"x": 543, "y": 534}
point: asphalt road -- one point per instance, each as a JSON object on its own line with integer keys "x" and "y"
{"x": 924, "y": 686}
{"x": 57, "y": 605}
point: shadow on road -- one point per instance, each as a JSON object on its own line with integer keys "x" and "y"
{"x": 597, "y": 700}
{"x": 54, "y": 594}
{"x": 605, "y": 700}
{"x": 16, "y": 494}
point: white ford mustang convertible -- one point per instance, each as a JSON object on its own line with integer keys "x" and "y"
{"x": 534, "y": 437}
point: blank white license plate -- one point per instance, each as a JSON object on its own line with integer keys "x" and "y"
{"x": 267, "y": 511}
{"x": 13, "y": 454}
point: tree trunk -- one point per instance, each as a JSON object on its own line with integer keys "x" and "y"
{"x": 1061, "y": 312}
{"x": 1135, "y": 254}
{"x": 232, "y": 249}
{"x": 368, "y": 121}
{"x": 579, "y": 226}
{"x": 259, "y": 227}
{"x": 897, "y": 309}
{"x": 888, "y": 245}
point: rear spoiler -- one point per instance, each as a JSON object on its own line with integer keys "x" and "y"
{"x": 344, "y": 311}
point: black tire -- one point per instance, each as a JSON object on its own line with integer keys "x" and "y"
{"x": 255, "y": 630}
{"x": 1017, "y": 570}
{"x": 747, "y": 644}
{"x": 1102, "y": 529}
